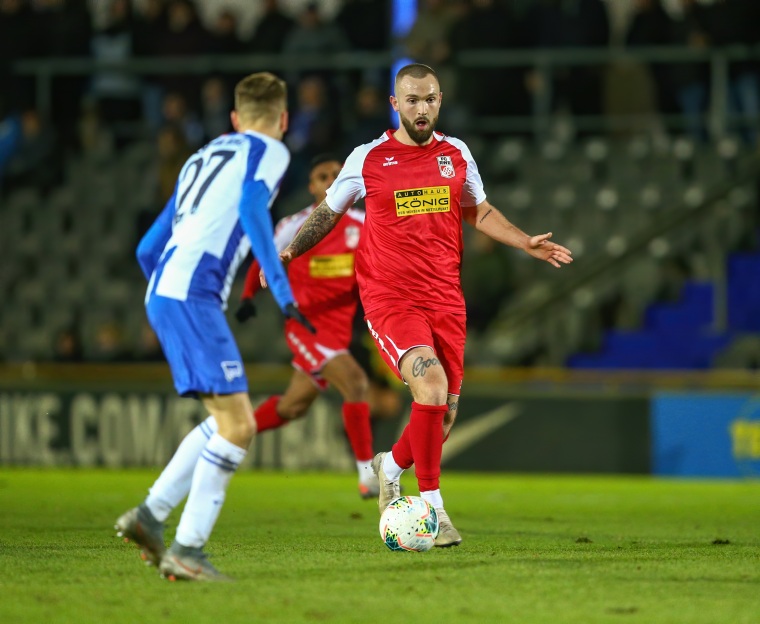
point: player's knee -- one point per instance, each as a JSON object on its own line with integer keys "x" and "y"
{"x": 357, "y": 388}
{"x": 293, "y": 411}
{"x": 240, "y": 431}
{"x": 432, "y": 392}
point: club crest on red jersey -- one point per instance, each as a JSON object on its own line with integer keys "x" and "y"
{"x": 446, "y": 167}
{"x": 352, "y": 236}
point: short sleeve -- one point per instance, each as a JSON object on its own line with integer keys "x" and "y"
{"x": 348, "y": 187}
{"x": 473, "y": 192}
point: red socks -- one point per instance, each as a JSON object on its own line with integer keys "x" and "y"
{"x": 425, "y": 440}
{"x": 402, "y": 450}
{"x": 266, "y": 415}
{"x": 356, "y": 422}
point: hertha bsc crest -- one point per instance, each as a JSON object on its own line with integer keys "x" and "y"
{"x": 446, "y": 167}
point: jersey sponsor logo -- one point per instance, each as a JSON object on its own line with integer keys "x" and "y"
{"x": 390, "y": 160}
{"x": 337, "y": 265}
{"x": 352, "y": 236}
{"x": 422, "y": 200}
{"x": 232, "y": 369}
{"x": 446, "y": 167}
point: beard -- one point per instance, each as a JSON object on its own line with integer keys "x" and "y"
{"x": 417, "y": 135}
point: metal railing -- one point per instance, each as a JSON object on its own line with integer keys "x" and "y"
{"x": 544, "y": 62}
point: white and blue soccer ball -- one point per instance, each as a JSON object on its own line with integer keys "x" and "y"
{"x": 409, "y": 523}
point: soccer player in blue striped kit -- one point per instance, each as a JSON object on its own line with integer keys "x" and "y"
{"x": 219, "y": 211}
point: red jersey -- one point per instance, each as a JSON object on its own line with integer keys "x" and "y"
{"x": 411, "y": 247}
{"x": 323, "y": 279}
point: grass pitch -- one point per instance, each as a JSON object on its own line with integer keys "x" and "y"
{"x": 304, "y": 548}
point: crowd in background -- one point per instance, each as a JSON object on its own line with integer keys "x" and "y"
{"x": 334, "y": 111}
{"x": 330, "y": 111}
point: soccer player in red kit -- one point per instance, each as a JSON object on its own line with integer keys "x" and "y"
{"x": 418, "y": 185}
{"x": 324, "y": 282}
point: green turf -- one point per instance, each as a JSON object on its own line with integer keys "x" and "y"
{"x": 304, "y": 548}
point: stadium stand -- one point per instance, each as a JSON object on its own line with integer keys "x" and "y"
{"x": 662, "y": 221}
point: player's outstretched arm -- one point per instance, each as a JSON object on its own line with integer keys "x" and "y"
{"x": 489, "y": 220}
{"x": 319, "y": 224}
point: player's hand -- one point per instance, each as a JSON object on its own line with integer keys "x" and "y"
{"x": 245, "y": 310}
{"x": 286, "y": 257}
{"x": 542, "y": 248}
{"x": 292, "y": 312}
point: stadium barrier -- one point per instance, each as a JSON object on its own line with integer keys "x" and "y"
{"x": 543, "y": 63}
{"x": 524, "y": 420}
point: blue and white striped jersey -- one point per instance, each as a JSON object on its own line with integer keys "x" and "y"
{"x": 219, "y": 211}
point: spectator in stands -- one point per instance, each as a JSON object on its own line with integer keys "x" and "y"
{"x": 224, "y": 34}
{"x": 150, "y": 29}
{"x": 176, "y": 112}
{"x": 314, "y": 36}
{"x": 185, "y": 36}
{"x": 352, "y": 19}
{"x": 117, "y": 93}
{"x": 10, "y": 137}
{"x": 651, "y": 25}
{"x": 109, "y": 344}
{"x": 173, "y": 150}
{"x": 488, "y": 25}
{"x": 737, "y": 22}
{"x": 691, "y": 80}
{"x": 148, "y": 348}
{"x": 19, "y": 38}
{"x": 272, "y": 30}
{"x": 37, "y": 159}
{"x": 428, "y": 39}
{"x": 65, "y": 31}
{"x": 314, "y": 127}
{"x": 215, "y": 108}
{"x": 68, "y": 346}
{"x": 571, "y": 23}
{"x": 371, "y": 118}
{"x": 95, "y": 139}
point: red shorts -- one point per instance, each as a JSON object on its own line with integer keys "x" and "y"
{"x": 309, "y": 354}
{"x": 400, "y": 328}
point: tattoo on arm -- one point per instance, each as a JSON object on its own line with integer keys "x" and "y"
{"x": 453, "y": 405}
{"x": 420, "y": 366}
{"x": 483, "y": 218}
{"x": 317, "y": 226}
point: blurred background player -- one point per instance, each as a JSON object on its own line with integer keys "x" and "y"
{"x": 418, "y": 187}
{"x": 324, "y": 283}
{"x": 219, "y": 211}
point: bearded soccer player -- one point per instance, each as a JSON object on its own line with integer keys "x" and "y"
{"x": 418, "y": 185}
{"x": 324, "y": 284}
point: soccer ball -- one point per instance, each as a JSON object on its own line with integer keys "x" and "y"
{"x": 409, "y": 523}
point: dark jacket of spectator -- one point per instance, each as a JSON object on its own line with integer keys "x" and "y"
{"x": 489, "y": 26}
{"x": 353, "y": 18}
{"x": 19, "y": 38}
{"x": 272, "y": 30}
{"x": 691, "y": 30}
{"x": 150, "y": 28}
{"x": 224, "y": 35}
{"x": 651, "y": 25}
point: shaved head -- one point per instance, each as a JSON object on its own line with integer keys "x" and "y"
{"x": 414, "y": 70}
